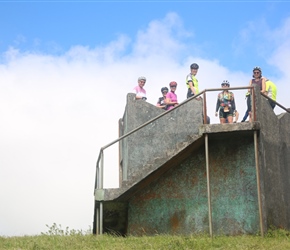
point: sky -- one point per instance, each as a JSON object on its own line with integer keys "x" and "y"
{"x": 67, "y": 66}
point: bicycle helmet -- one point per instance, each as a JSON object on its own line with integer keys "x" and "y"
{"x": 225, "y": 83}
{"x": 164, "y": 89}
{"x": 194, "y": 66}
{"x": 257, "y": 68}
{"x": 171, "y": 84}
{"x": 142, "y": 78}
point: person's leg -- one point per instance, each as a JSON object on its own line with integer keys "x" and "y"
{"x": 272, "y": 104}
{"x": 222, "y": 120}
{"x": 208, "y": 120}
{"x": 249, "y": 104}
{"x": 245, "y": 116}
{"x": 189, "y": 93}
{"x": 230, "y": 119}
{"x": 222, "y": 116}
{"x": 236, "y": 116}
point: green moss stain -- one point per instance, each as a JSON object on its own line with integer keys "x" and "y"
{"x": 177, "y": 202}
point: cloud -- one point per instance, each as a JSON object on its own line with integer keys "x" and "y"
{"x": 58, "y": 111}
{"x": 162, "y": 37}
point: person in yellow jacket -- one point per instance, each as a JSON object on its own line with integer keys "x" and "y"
{"x": 271, "y": 91}
{"x": 191, "y": 81}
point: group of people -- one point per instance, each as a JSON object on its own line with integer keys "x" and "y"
{"x": 169, "y": 98}
{"x": 225, "y": 106}
{"x": 266, "y": 87}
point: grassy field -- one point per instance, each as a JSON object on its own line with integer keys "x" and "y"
{"x": 275, "y": 239}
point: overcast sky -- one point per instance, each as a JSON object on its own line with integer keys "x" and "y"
{"x": 66, "y": 68}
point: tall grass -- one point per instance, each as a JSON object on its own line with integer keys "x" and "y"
{"x": 57, "y": 238}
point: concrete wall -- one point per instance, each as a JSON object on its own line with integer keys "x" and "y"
{"x": 234, "y": 197}
{"x": 157, "y": 139}
{"x": 274, "y": 163}
{"x": 177, "y": 203}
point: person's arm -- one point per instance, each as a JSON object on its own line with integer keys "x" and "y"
{"x": 140, "y": 93}
{"x": 168, "y": 100}
{"x": 267, "y": 86}
{"x": 217, "y": 106}
{"x": 191, "y": 85}
{"x": 135, "y": 90}
{"x": 158, "y": 105}
{"x": 233, "y": 102}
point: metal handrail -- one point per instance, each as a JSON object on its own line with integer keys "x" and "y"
{"x": 138, "y": 128}
{"x": 99, "y": 170}
{"x": 278, "y": 104}
{"x": 181, "y": 104}
{"x": 154, "y": 119}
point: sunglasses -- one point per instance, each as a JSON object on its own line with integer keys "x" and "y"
{"x": 256, "y": 72}
{"x": 165, "y": 91}
{"x": 174, "y": 86}
{"x": 225, "y": 85}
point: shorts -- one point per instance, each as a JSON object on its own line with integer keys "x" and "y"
{"x": 189, "y": 93}
{"x": 272, "y": 104}
{"x": 225, "y": 115}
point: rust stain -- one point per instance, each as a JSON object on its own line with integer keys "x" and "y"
{"x": 150, "y": 196}
{"x": 174, "y": 222}
{"x": 194, "y": 180}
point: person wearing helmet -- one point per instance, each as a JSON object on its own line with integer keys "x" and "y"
{"x": 171, "y": 97}
{"x": 191, "y": 81}
{"x": 256, "y": 80}
{"x": 139, "y": 90}
{"x": 161, "y": 101}
{"x": 225, "y": 104}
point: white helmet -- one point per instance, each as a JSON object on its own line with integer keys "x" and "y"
{"x": 225, "y": 82}
{"x": 142, "y": 78}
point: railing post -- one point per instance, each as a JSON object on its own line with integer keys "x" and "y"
{"x": 97, "y": 219}
{"x": 101, "y": 172}
{"x": 100, "y": 164}
{"x": 101, "y": 186}
{"x": 258, "y": 183}
{"x": 204, "y": 109}
{"x": 208, "y": 185}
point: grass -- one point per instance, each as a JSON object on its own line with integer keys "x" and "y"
{"x": 65, "y": 239}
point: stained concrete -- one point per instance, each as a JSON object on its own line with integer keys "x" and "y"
{"x": 164, "y": 189}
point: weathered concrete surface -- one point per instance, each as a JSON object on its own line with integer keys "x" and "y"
{"x": 274, "y": 164}
{"x": 229, "y": 128}
{"x": 177, "y": 202}
{"x": 151, "y": 171}
{"x": 159, "y": 137}
{"x": 139, "y": 177}
{"x": 165, "y": 190}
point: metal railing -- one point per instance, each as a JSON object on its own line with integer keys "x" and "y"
{"x": 99, "y": 179}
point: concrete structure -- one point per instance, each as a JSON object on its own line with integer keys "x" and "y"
{"x": 180, "y": 176}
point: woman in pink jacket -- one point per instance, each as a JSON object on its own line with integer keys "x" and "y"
{"x": 171, "y": 97}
